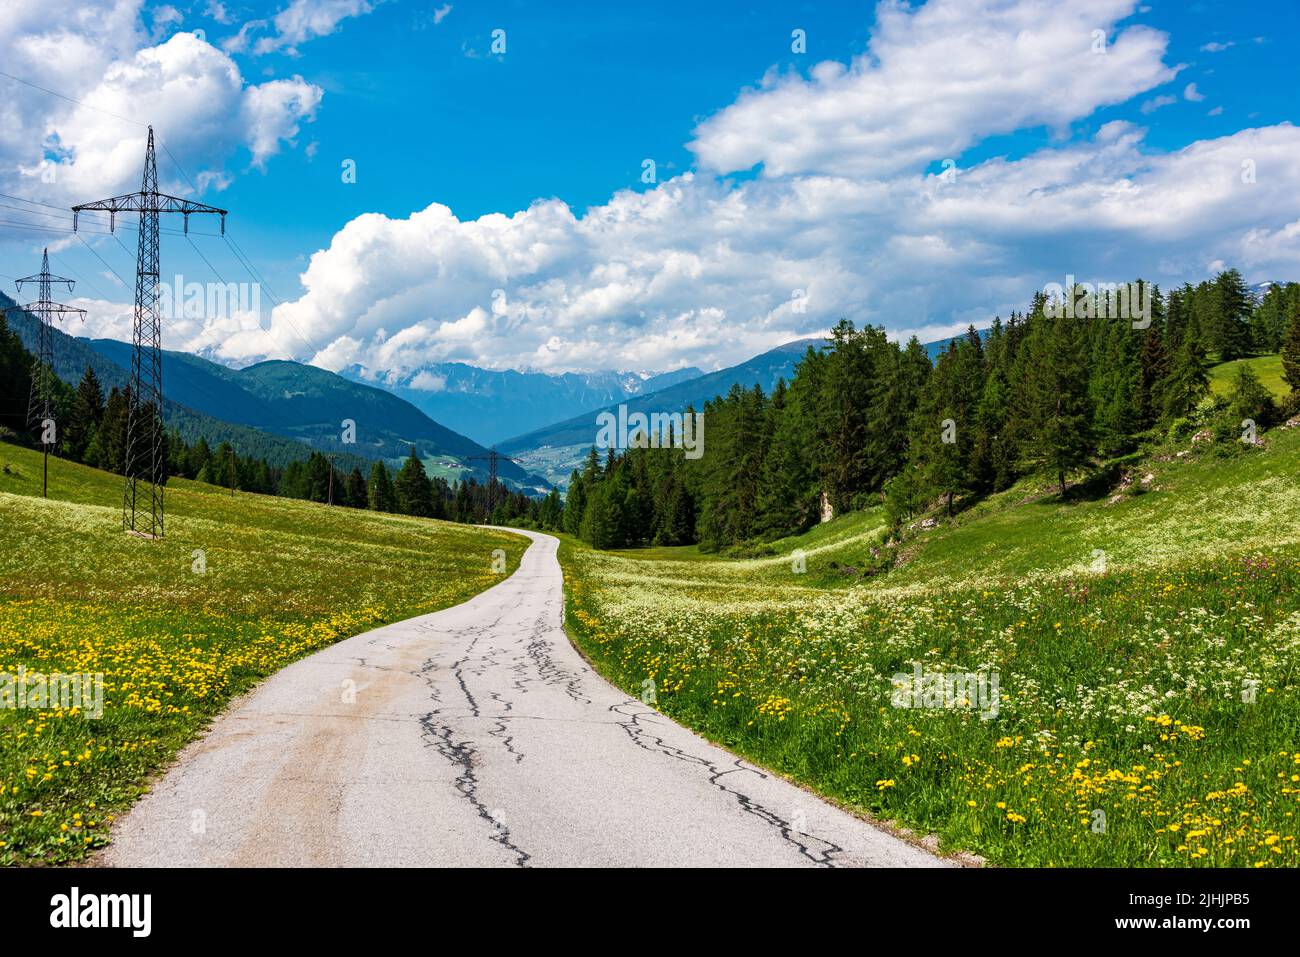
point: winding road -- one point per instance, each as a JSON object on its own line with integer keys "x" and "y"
{"x": 475, "y": 736}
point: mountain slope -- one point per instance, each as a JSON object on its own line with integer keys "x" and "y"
{"x": 489, "y": 405}
{"x": 555, "y": 450}
{"x": 1126, "y": 636}
{"x": 310, "y": 405}
{"x": 762, "y": 370}
{"x": 72, "y": 356}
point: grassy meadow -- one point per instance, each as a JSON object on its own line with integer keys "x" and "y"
{"x": 1147, "y": 644}
{"x": 1268, "y": 368}
{"x": 175, "y": 637}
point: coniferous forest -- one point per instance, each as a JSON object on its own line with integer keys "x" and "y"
{"x": 93, "y": 430}
{"x": 864, "y": 420}
{"x": 1072, "y": 398}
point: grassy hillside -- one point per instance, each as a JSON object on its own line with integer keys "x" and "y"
{"x": 282, "y": 579}
{"x": 72, "y": 356}
{"x": 306, "y": 405}
{"x": 1268, "y": 368}
{"x": 1146, "y": 646}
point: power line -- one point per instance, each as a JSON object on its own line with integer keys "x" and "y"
{"x": 208, "y": 264}
{"x": 42, "y": 228}
{"x": 18, "y": 79}
{"x": 257, "y": 277}
{"x": 93, "y": 218}
{"x": 240, "y": 255}
{"x": 247, "y": 262}
{"x": 80, "y": 279}
{"x": 125, "y": 284}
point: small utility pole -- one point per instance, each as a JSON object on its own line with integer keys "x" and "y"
{"x": 330, "y": 458}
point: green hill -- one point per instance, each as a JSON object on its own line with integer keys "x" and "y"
{"x": 275, "y": 410}
{"x": 309, "y": 405}
{"x": 72, "y": 356}
{"x": 240, "y": 586}
{"x": 1145, "y": 637}
{"x": 1268, "y": 368}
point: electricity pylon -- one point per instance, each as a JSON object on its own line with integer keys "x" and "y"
{"x": 144, "y": 431}
{"x": 40, "y": 403}
{"x": 492, "y": 458}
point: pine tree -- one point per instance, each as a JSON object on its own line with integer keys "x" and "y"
{"x": 1291, "y": 353}
{"x": 413, "y": 488}
{"x": 379, "y": 490}
{"x": 1188, "y": 380}
{"x": 355, "y": 489}
{"x": 1059, "y": 424}
{"x": 87, "y": 411}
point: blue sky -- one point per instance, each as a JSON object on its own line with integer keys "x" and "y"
{"x": 580, "y": 100}
{"x": 411, "y": 92}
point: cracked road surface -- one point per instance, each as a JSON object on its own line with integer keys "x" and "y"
{"x": 475, "y": 736}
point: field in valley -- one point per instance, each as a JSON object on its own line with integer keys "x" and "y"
{"x": 240, "y": 586}
{"x": 1146, "y": 648}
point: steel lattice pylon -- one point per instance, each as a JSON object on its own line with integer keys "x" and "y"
{"x": 40, "y": 404}
{"x": 145, "y": 440}
{"x": 492, "y": 458}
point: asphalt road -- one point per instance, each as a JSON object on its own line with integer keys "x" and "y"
{"x": 475, "y": 736}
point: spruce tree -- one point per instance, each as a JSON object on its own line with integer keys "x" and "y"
{"x": 1249, "y": 399}
{"x": 575, "y": 504}
{"x": 1188, "y": 381}
{"x": 379, "y": 490}
{"x": 1059, "y": 435}
{"x": 1291, "y": 353}
{"x": 413, "y": 488}
{"x": 112, "y": 431}
{"x": 87, "y": 411}
{"x": 355, "y": 489}
{"x": 1230, "y": 307}
{"x": 1153, "y": 360}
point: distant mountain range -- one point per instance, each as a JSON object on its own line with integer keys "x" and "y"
{"x": 275, "y": 408}
{"x": 1260, "y": 289}
{"x": 554, "y": 451}
{"x": 489, "y": 406}
{"x": 278, "y": 406}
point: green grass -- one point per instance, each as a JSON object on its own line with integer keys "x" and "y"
{"x": 283, "y": 578}
{"x": 1122, "y": 685}
{"x": 1268, "y": 368}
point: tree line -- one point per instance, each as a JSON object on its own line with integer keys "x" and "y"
{"x": 1053, "y": 391}
{"x": 92, "y": 430}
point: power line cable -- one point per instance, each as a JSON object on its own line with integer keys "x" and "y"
{"x": 125, "y": 284}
